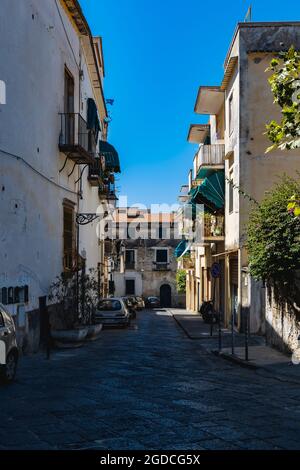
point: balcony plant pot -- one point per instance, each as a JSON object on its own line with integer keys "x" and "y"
{"x": 94, "y": 332}
{"x": 217, "y": 232}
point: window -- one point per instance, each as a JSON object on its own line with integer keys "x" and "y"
{"x": 69, "y": 122}
{"x": 161, "y": 256}
{"x": 68, "y": 236}
{"x": 129, "y": 259}
{"x": 231, "y": 114}
{"x": 130, "y": 286}
{"x": 69, "y": 92}
{"x": 109, "y": 305}
{"x": 230, "y": 192}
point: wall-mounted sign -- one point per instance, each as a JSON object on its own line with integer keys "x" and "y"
{"x": 215, "y": 270}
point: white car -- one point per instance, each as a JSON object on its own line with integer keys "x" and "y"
{"x": 112, "y": 311}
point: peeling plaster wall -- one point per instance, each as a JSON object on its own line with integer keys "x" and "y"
{"x": 31, "y": 212}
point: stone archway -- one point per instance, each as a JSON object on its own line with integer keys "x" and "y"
{"x": 165, "y": 295}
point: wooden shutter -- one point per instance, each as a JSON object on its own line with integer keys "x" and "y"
{"x": 234, "y": 271}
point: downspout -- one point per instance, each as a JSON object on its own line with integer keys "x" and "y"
{"x": 79, "y": 193}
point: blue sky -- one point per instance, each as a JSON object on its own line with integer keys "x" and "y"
{"x": 156, "y": 54}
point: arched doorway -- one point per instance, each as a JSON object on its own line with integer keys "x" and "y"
{"x": 165, "y": 295}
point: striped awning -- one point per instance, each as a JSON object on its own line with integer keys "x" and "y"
{"x": 212, "y": 189}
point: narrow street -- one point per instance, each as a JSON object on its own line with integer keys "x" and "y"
{"x": 147, "y": 387}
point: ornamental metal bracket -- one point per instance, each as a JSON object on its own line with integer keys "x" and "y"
{"x": 84, "y": 219}
{"x": 89, "y": 217}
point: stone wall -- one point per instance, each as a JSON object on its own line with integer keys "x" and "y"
{"x": 282, "y": 326}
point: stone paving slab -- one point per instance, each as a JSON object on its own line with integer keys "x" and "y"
{"x": 146, "y": 388}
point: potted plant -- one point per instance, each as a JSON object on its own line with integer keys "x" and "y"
{"x": 74, "y": 299}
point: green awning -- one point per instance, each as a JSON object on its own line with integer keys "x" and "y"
{"x": 212, "y": 189}
{"x": 181, "y": 248}
{"x": 108, "y": 151}
{"x": 205, "y": 172}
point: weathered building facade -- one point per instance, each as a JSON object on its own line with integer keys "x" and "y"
{"x": 147, "y": 264}
{"x": 234, "y": 142}
{"x": 55, "y": 163}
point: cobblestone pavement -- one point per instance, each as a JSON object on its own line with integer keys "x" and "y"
{"x": 147, "y": 387}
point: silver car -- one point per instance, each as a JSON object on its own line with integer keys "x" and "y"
{"x": 9, "y": 353}
{"x": 112, "y": 311}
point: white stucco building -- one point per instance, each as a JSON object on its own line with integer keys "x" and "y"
{"x": 50, "y": 129}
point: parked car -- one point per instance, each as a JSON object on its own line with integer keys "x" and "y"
{"x": 140, "y": 302}
{"x": 131, "y": 306}
{"x": 152, "y": 302}
{"x": 112, "y": 311}
{"x": 9, "y": 353}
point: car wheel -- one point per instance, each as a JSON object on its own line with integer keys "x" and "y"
{"x": 10, "y": 368}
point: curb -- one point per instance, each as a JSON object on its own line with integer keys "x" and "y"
{"x": 236, "y": 360}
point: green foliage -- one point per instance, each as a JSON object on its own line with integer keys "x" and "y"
{"x": 294, "y": 205}
{"x": 285, "y": 86}
{"x": 181, "y": 281}
{"x": 273, "y": 242}
{"x": 65, "y": 291}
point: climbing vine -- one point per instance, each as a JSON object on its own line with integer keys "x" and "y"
{"x": 285, "y": 86}
{"x": 181, "y": 281}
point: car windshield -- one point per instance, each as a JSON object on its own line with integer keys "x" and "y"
{"x": 109, "y": 305}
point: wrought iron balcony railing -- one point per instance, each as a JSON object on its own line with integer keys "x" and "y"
{"x": 75, "y": 139}
{"x": 161, "y": 266}
{"x": 95, "y": 172}
{"x": 129, "y": 265}
{"x": 107, "y": 190}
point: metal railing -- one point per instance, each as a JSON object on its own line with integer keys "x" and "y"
{"x": 129, "y": 265}
{"x": 75, "y": 133}
{"x": 161, "y": 266}
{"x": 106, "y": 189}
{"x": 95, "y": 169}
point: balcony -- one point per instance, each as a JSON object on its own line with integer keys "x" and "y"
{"x": 95, "y": 171}
{"x": 161, "y": 266}
{"x": 107, "y": 190}
{"x": 187, "y": 262}
{"x": 75, "y": 139}
{"x": 209, "y": 157}
{"x": 213, "y": 228}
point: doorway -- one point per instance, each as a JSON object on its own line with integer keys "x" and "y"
{"x": 130, "y": 287}
{"x": 44, "y": 320}
{"x": 165, "y": 296}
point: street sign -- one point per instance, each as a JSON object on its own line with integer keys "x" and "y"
{"x": 215, "y": 270}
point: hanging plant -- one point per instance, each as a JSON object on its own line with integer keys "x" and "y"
{"x": 285, "y": 86}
